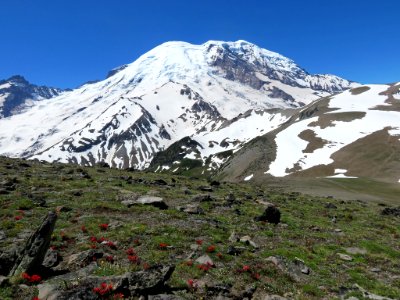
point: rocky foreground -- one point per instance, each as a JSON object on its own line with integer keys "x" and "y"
{"x": 69, "y": 232}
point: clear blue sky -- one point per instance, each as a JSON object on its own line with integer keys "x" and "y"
{"x": 65, "y": 43}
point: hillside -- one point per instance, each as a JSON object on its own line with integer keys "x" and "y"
{"x": 320, "y": 248}
{"x": 348, "y": 135}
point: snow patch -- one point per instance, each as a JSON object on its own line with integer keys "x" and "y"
{"x": 340, "y": 176}
{"x": 248, "y": 177}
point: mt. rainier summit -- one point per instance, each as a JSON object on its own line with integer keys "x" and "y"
{"x": 207, "y": 99}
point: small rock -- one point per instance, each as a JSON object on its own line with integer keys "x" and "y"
{"x": 248, "y": 241}
{"x": 151, "y": 280}
{"x": 192, "y": 255}
{"x": 375, "y": 270}
{"x": 186, "y": 191}
{"x": 391, "y": 211}
{"x": 164, "y": 297}
{"x": 4, "y": 281}
{"x": 315, "y": 228}
{"x": 153, "y": 201}
{"x": 233, "y": 237}
{"x": 191, "y": 209}
{"x": 205, "y": 260}
{"x": 160, "y": 182}
{"x": 194, "y": 247}
{"x": 248, "y": 196}
{"x": 330, "y": 206}
{"x": 63, "y": 208}
{"x": 345, "y": 257}
{"x": 234, "y": 250}
{"x": 215, "y": 183}
{"x": 128, "y": 202}
{"x": 355, "y": 250}
{"x": 82, "y": 259}
{"x": 49, "y": 291}
{"x": 202, "y": 198}
{"x": 294, "y": 269}
{"x": 230, "y": 197}
{"x": 77, "y": 193}
{"x": 337, "y": 230}
{"x": 205, "y": 189}
{"x": 271, "y": 215}
{"x": 245, "y": 239}
{"x": 51, "y": 259}
{"x": 4, "y": 191}
{"x": 274, "y": 297}
{"x": 114, "y": 225}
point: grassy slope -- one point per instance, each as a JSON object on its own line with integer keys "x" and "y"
{"x": 309, "y": 233}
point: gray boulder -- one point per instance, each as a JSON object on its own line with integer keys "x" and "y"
{"x": 153, "y": 201}
{"x": 296, "y": 269}
{"x": 150, "y": 281}
{"x": 31, "y": 257}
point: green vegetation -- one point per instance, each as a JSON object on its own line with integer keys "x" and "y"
{"x": 309, "y": 230}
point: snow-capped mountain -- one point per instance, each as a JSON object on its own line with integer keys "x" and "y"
{"x": 352, "y": 134}
{"x": 17, "y": 95}
{"x": 220, "y": 95}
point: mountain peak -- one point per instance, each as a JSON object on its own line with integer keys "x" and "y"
{"x": 17, "y": 79}
{"x": 209, "y": 92}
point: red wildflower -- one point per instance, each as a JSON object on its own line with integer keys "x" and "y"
{"x": 17, "y": 218}
{"x": 205, "y": 267}
{"x": 190, "y": 283}
{"x": 31, "y": 279}
{"x": 246, "y": 268}
{"x": 219, "y": 255}
{"x": 163, "y": 246}
{"x": 199, "y": 242}
{"x": 146, "y": 266}
{"x": 130, "y": 251}
{"x": 103, "y": 226}
{"x": 134, "y": 259}
{"x": 210, "y": 249}
{"x": 111, "y": 245}
{"x": 83, "y": 229}
{"x": 118, "y": 296}
{"x": 136, "y": 242}
{"x": 110, "y": 258}
{"x": 35, "y": 278}
{"x": 35, "y": 298}
{"x": 103, "y": 290}
{"x": 256, "y": 276}
{"x": 102, "y": 239}
{"x": 93, "y": 246}
{"x": 93, "y": 239}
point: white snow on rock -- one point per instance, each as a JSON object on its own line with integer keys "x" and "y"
{"x": 247, "y": 178}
